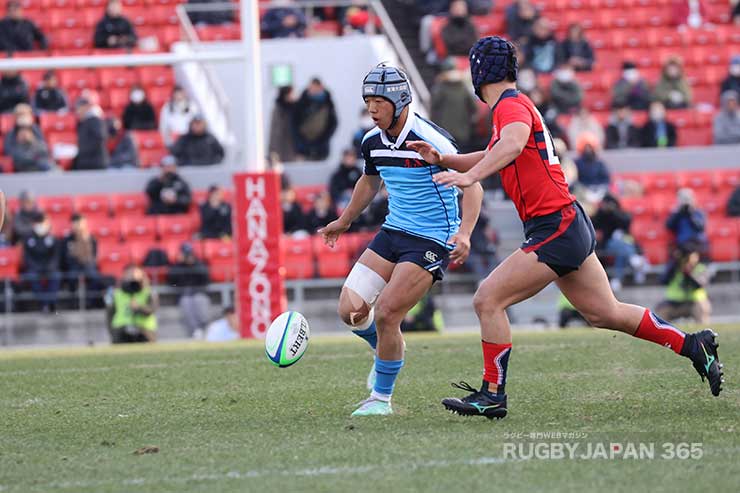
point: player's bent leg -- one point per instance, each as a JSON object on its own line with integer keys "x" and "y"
{"x": 589, "y": 291}
{"x": 408, "y": 284}
{"x": 517, "y": 278}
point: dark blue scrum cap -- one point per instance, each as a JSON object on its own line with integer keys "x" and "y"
{"x": 492, "y": 59}
{"x": 390, "y": 83}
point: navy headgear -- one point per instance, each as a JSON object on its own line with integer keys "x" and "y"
{"x": 390, "y": 83}
{"x": 492, "y": 59}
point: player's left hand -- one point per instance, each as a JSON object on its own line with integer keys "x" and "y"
{"x": 453, "y": 179}
{"x": 462, "y": 248}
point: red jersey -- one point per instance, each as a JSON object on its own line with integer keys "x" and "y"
{"x": 534, "y": 180}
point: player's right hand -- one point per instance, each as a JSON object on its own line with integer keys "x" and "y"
{"x": 426, "y": 150}
{"x": 332, "y": 231}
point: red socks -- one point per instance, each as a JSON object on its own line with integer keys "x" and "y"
{"x": 495, "y": 363}
{"x": 655, "y": 329}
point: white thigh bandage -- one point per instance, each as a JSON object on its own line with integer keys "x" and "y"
{"x": 365, "y": 282}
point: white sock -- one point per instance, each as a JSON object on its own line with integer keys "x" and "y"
{"x": 380, "y": 397}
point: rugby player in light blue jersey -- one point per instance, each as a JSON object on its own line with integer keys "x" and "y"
{"x": 422, "y": 232}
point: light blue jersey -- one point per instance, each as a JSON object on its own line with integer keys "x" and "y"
{"x": 416, "y": 205}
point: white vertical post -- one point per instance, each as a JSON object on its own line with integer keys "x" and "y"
{"x": 253, "y": 140}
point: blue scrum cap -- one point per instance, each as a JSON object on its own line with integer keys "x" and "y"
{"x": 390, "y": 83}
{"x": 492, "y": 59}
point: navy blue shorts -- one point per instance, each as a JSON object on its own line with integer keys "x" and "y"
{"x": 562, "y": 240}
{"x": 397, "y": 247}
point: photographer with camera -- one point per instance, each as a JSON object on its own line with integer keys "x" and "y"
{"x": 687, "y": 222}
{"x": 131, "y": 308}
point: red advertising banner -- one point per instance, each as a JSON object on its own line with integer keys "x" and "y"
{"x": 258, "y": 226}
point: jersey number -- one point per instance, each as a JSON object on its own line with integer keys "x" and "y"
{"x": 551, "y": 156}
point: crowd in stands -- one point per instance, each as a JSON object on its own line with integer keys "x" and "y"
{"x": 289, "y": 19}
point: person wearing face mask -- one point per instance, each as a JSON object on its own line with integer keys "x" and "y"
{"x": 453, "y": 105}
{"x": 13, "y": 90}
{"x": 631, "y": 90}
{"x": 520, "y": 16}
{"x": 198, "y": 147}
{"x": 49, "y": 96}
{"x": 175, "y": 116}
{"x": 726, "y": 123}
{"x": 25, "y": 216}
{"x": 168, "y": 193}
{"x": 41, "y": 263}
{"x": 24, "y": 118}
{"x": 215, "y": 215}
{"x": 459, "y": 34}
{"x": 139, "y": 113}
{"x": 344, "y": 179}
{"x": 657, "y": 131}
{"x": 565, "y": 91}
{"x": 114, "y": 30}
{"x": 584, "y": 122}
{"x": 315, "y": 121}
{"x": 673, "y": 89}
{"x": 282, "y": 142}
{"x": 131, "y": 308}
{"x": 621, "y": 132}
{"x": 732, "y": 81}
{"x": 92, "y": 137}
{"x": 593, "y": 174}
{"x": 29, "y": 153}
{"x": 541, "y": 47}
{"x": 575, "y": 49}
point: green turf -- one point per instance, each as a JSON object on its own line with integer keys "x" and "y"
{"x": 224, "y": 419}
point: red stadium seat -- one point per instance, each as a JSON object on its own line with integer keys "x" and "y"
{"x": 220, "y": 257}
{"x": 140, "y": 248}
{"x": 638, "y": 207}
{"x": 59, "y": 206}
{"x": 7, "y": 122}
{"x": 148, "y": 139}
{"x": 172, "y": 248}
{"x": 661, "y": 182}
{"x": 306, "y": 195}
{"x": 156, "y": 76}
{"x": 727, "y": 180}
{"x": 298, "y": 257}
{"x": 68, "y": 39}
{"x": 6, "y": 164}
{"x": 105, "y": 229}
{"x": 333, "y": 264}
{"x": 78, "y": 78}
{"x": 175, "y": 227}
{"x": 129, "y": 204}
{"x": 92, "y": 205}
{"x": 10, "y": 262}
{"x": 112, "y": 259}
{"x": 139, "y": 228}
{"x": 117, "y": 77}
{"x": 57, "y": 122}
{"x": 699, "y": 181}
{"x": 724, "y": 240}
{"x": 71, "y": 19}
{"x": 149, "y": 158}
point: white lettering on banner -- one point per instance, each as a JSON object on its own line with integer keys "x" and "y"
{"x": 258, "y": 255}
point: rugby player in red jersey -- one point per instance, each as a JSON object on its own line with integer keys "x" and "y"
{"x": 560, "y": 240}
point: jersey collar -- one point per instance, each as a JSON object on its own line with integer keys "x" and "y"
{"x": 410, "y": 120}
{"x": 509, "y": 93}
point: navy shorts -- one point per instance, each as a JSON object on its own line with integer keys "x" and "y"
{"x": 397, "y": 247}
{"x": 562, "y": 240}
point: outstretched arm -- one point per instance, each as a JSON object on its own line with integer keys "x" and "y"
{"x": 514, "y": 137}
{"x": 471, "y": 204}
{"x": 458, "y": 162}
{"x": 365, "y": 190}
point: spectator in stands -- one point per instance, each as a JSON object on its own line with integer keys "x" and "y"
{"x": 213, "y": 16}
{"x": 139, "y": 112}
{"x": 575, "y": 49}
{"x": 23, "y": 116}
{"x": 687, "y": 222}
{"x": 29, "y": 153}
{"x": 92, "y": 137}
{"x": 453, "y": 106}
{"x": 570, "y": 170}
{"x": 114, "y": 30}
{"x": 526, "y": 80}
{"x": 215, "y": 215}
{"x": 282, "y": 141}
{"x": 41, "y": 263}
{"x": 225, "y": 328}
{"x": 132, "y": 307}
{"x": 366, "y": 124}
{"x": 24, "y": 218}
{"x": 168, "y": 193}
{"x": 727, "y": 120}
{"x": 198, "y": 147}
{"x": 483, "y": 247}
{"x": 584, "y": 122}
{"x": 735, "y": 12}
{"x": 357, "y": 18}
{"x": 121, "y": 145}
{"x": 621, "y": 132}
{"x": 293, "y": 218}
{"x": 13, "y": 90}
{"x": 344, "y": 179}
{"x": 732, "y": 81}
{"x": 673, "y": 89}
{"x": 686, "y": 294}
{"x": 190, "y": 275}
{"x": 282, "y": 20}
{"x": 592, "y": 172}
{"x": 631, "y": 90}
{"x": 541, "y": 47}
{"x": 459, "y": 34}
{"x": 733, "y": 204}
{"x": 49, "y": 96}
{"x": 315, "y": 121}
{"x": 520, "y": 16}
{"x": 80, "y": 255}
{"x": 565, "y": 91}
{"x": 175, "y": 116}
{"x": 657, "y": 131}
{"x": 548, "y": 112}
{"x": 612, "y": 226}
{"x": 18, "y": 33}
{"x": 322, "y": 213}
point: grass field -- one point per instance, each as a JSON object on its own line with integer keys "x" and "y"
{"x": 224, "y": 419}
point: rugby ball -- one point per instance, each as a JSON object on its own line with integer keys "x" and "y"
{"x": 287, "y": 339}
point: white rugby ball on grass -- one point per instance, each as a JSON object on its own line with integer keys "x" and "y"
{"x": 287, "y": 339}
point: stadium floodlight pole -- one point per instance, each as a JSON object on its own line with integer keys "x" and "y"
{"x": 253, "y": 140}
